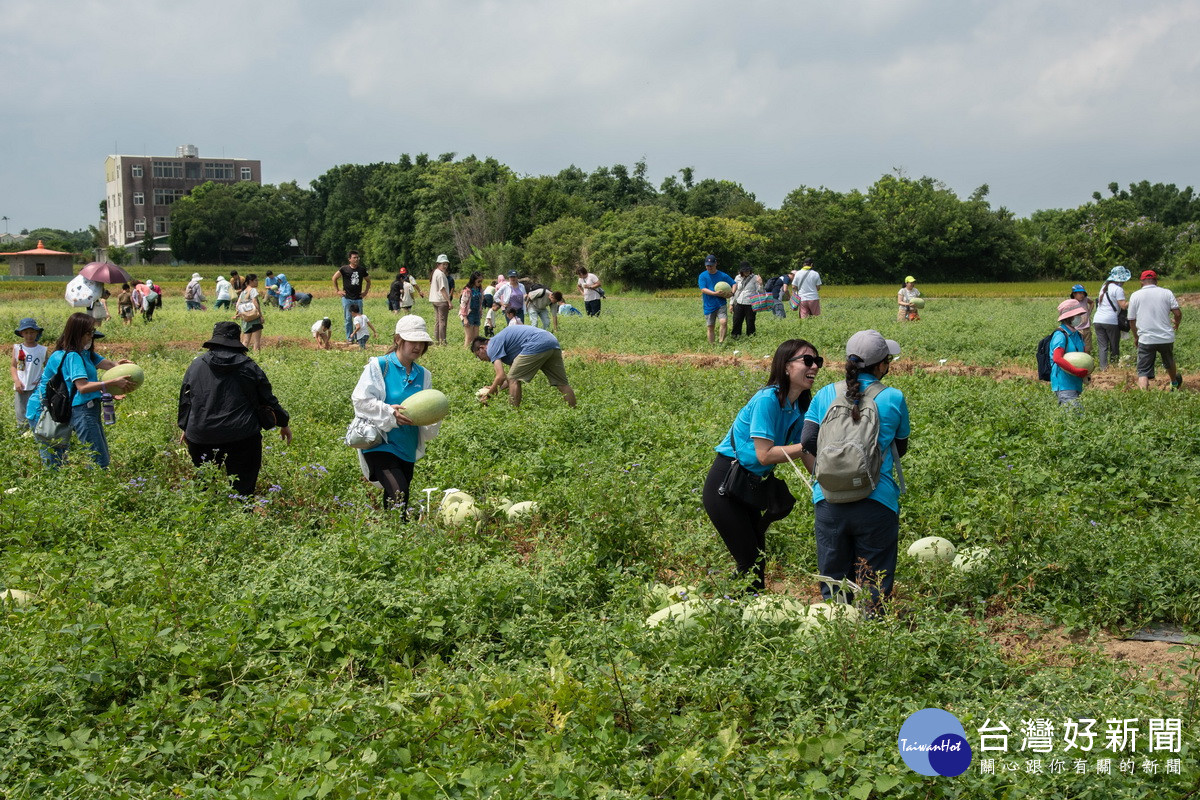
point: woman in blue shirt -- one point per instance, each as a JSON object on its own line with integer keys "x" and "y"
{"x": 765, "y": 432}
{"x": 74, "y": 354}
{"x": 858, "y": 539}
{"x": 385, "y": 384}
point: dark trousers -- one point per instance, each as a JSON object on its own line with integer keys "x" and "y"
{"x": 395, "y": 475}
{"x": 858, "y": 541}
{"x": 592, "y": 307}
{"x": 742, "y": 528}
{"x": 1108, "y": 344}
{"x": 743, "y": 312}
{"x": 241, "y": 459}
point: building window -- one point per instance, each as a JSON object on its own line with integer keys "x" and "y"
{"x": 139, "y": 225}
{"x": 191, "y": 170}
{"x": 247, "y": 174}
{"x": 160, "y": 224}
{"x": 136, "y": 170}
{"x": 139, "y": 199}
{"x": 216, "y": 171}
{"x": 168, "y": 169}
{"x": 165, "y": 197}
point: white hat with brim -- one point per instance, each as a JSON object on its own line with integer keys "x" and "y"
{"x": 412, "y": 329}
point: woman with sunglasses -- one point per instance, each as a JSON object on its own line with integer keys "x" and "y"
{"x": 765, "y": 432}
{"x": 859, "y": 539}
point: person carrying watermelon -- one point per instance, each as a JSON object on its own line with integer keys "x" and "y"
{"x": 1066, "y": 379}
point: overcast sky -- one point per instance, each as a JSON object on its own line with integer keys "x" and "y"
{"x": 1045, "y": 102}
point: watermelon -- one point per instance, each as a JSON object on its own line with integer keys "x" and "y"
{"x": 17, "y": 597}
{"x": 917, "y": 302}
{"x": 502, "y": 505}
{"x": 775, "y": 609}
{"x": 131, "y": 371}
{"x": 457, "y": 497}
{"x": 1080, "y": 360}
{"x": 458, "y": 513}
{"x": 723, "y": 288}
{"x": 683, "y": 614}
{"x": 828, "y": 611}
{"x": 426, "y": 407}
{"x": 659, "y": 595}
{"x": 518, "y": 512}
{"x": 970, "y": 559}
{"x": 932, "y": 548}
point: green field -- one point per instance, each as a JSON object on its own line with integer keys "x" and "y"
{"x": 185, "y": 644}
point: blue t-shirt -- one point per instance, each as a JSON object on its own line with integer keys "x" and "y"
{"x": 707, "y": 281}
{"x": 79, "y": 365}
{"x": 401, "y": 441}
{"x": 761, "y": 418}
{"x": 893, "y": 425}
{"x": 516, "y": 340}
{"x": 1060, "y": 379}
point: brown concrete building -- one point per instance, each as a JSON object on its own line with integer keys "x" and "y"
{"x": 141, "y": 189}
{"x": 40, "y": 261}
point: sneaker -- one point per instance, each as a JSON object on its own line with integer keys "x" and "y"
{"x": 1177, "y": 381}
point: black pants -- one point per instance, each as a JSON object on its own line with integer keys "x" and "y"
{"x": 592, "y": 307}
{"x": 395, "y": 475}
{"x": 742, "y": 528}
{"x": 741, "y": 312}
{"x": 241, "y": 459}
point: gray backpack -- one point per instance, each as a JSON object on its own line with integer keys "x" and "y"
{"x": 848, "y": 460}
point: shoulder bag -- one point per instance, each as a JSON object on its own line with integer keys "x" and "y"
{"x": 760, "y": 492}
{"x": 1122, "y": 314}
{"x": 361, "y": 433}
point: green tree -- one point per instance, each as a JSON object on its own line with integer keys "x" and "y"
{"x": 630, "y": 247}
{"x": 146, "y": 248}
{"x": 692, "y": 238}
{"x": 555, "y": 250}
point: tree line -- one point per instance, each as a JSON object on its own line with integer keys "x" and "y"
{"x": 617, "y": 223}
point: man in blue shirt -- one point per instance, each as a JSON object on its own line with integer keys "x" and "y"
{"x": 527, "y": 350}
{"x": 715, "y": 303}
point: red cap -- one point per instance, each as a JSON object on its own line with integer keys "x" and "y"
{"x": 404, "y": 270}
{"x": 1149, "y": 275}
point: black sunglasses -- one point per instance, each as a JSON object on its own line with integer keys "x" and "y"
{"x": 809, "y": 360}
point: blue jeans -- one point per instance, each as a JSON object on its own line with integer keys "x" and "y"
{"x": 85, "y": 422}
{"x": 542, "y": 314}
{"x": 847, "y": 533}
{"x": 346, "y": 303}
{"x": 1067, "y": 397}
{"x": 192, "y": 305}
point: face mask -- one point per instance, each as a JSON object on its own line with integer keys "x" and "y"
{"x": 1079, "y": 320}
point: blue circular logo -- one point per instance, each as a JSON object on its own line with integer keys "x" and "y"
{"x": 933, "y": 742}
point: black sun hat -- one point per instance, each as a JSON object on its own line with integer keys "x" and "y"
{"x": 227, "y": 335}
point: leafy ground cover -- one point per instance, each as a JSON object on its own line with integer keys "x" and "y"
{"x": 303, "y": 643}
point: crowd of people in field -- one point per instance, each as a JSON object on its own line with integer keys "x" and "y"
{"x": 849, "y": 436}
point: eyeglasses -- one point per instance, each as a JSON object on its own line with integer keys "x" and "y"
{"x": 809, "y": 360}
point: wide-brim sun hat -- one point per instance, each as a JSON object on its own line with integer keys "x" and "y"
{"x": 1119, "y": 273}
{"x": 196, "y": 276}
{"x": 1068, "y": 309}
{"x": 226, "y": 335}
{"x": 27, "y": 324}
{"x": 870, "y": 347}
{"x": 220, "y": 277}
{"x": 412, "y": 329}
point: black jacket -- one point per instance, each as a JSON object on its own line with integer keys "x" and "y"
{"x": 222, "y": 396}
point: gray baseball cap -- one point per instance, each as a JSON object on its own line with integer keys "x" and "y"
{"x": 870, "y": 347}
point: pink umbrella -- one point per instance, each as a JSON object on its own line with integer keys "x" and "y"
{"x": 104, "y": 272}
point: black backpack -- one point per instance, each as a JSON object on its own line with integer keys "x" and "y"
{"x": 58, "y": 396}
{"x": 1045, "y": 359}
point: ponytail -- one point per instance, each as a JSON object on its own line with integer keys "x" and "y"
{"x": 853, "y": 388}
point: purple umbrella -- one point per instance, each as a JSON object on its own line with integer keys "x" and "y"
{"x": 103, "y": 272}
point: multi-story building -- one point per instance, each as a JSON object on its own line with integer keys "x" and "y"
{"x": 141, "y": 189}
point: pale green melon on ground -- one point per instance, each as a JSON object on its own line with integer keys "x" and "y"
{"x": 17, "y": 597}
{"x": 970, "y": 559}
{"x": 775, "y": 609}
{"x": 932, "y": 548}
{"x": 458, "y": 513}
{"x": 683, "y": 614}
{"x": 522, "y": 511}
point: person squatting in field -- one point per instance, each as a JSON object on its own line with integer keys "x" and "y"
{"x": 858, "y": 540}
{"x": 765, "y": 432}
{"x": 386, "y": 382}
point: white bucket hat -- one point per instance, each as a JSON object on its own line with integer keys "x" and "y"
{"x": 412, "y": 329}
{"x": 196, "y": 276}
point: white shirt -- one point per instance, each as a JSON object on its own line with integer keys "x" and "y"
{"x": 806, "y": 283}
{"x": 35, "y": 359}
{"x": 1106, "y": 312}
{"x": 224, "y": 289}
{"x": 591, "y": 279}
{"x": 439, "y": 287}
{"x": 319, "y": 326}
{"x": 1151, "y": 307}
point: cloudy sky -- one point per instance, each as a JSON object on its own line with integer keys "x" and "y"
{"x": 1044, "y": 101}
